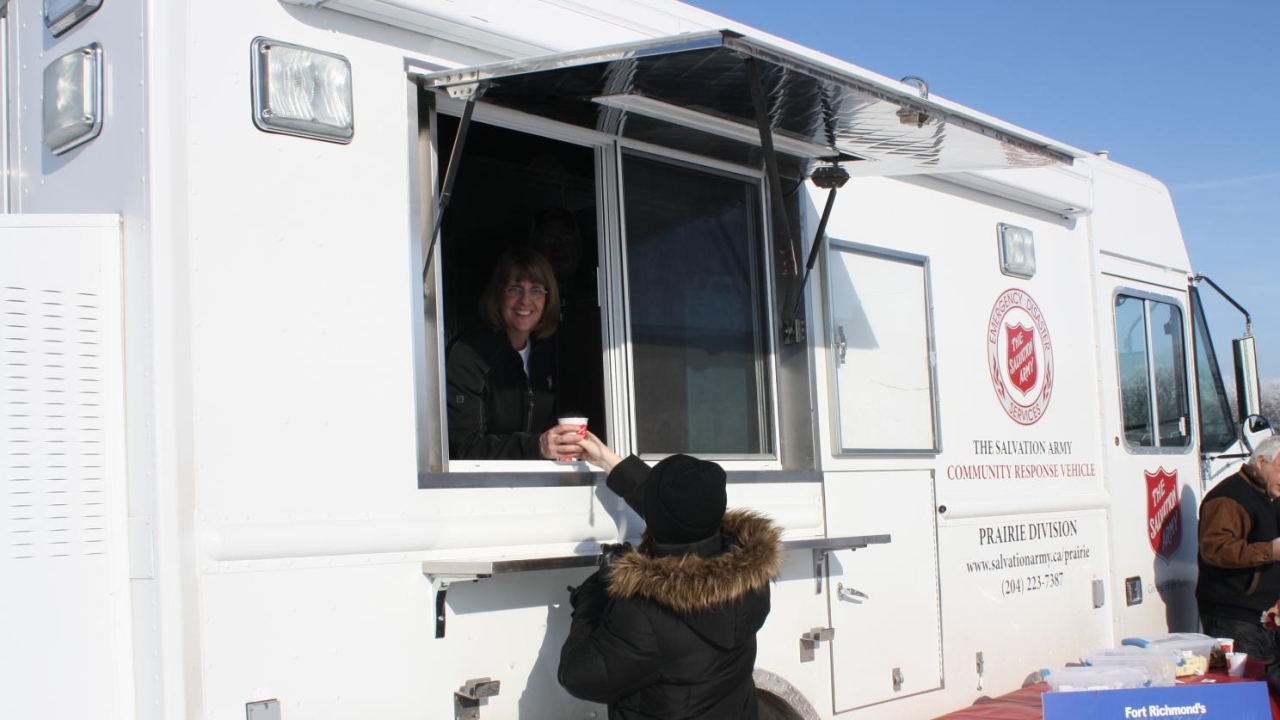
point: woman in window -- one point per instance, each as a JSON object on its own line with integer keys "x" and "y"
{"x": 502, "y": 377}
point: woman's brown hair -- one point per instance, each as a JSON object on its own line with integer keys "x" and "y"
{"x": 520, "y": 265}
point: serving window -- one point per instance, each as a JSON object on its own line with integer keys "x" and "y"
{"x": 663, "y": 337}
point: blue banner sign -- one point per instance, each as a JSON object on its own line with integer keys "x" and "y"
{"x": 1215, "y": 701}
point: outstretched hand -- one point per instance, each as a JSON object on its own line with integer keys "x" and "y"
{"x": 597, "y": 453}
{"x": 561, "y": 442}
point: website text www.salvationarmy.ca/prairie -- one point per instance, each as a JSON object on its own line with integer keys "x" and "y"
{"x": 1036, "y": 570}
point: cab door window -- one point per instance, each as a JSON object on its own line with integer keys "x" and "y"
{"x": 1152, "y": 365}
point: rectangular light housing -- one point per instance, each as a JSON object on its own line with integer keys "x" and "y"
{"x": 73, "y": 99}
{"x": 300, "y": 91}
{"x": 1017, "y": 251}
{"x": 659, "y": 110}
{"x": 62, "y": 15}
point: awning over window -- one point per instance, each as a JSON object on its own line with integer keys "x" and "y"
{"x": 692, "y": 92}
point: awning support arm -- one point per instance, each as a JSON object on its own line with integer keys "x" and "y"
{"x": 781, "y": 222}
{"x": 451, "y": 174}
{"x": 818, "y": 240}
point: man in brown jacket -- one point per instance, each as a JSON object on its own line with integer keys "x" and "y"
{"x": 1239, "y": 550}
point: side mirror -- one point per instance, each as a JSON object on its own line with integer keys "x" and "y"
{"x": 1248, "y": 393}
{"x": 1253, "y": 430}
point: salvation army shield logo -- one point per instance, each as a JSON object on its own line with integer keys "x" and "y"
{"x": 1020, "y": 356}
{"x": 1164, "y": 513}
{"x": 1021, "y": 341}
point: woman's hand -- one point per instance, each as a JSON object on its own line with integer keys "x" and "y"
{"x": 561, "y": 443}
{"x": 597, "y": 453}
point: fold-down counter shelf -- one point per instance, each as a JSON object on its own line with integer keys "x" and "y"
{"x": 443, "y": 573}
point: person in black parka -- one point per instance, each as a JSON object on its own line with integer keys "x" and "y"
{"x": 668, "y": 630}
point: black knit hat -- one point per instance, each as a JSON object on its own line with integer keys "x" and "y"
{"x": 684, "y": 500}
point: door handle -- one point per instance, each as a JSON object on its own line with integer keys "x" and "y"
{"x": 850, "y": 594}
{"x": 842, "y": 346}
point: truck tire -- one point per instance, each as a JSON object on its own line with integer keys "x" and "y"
{"x": 773, "y": 707}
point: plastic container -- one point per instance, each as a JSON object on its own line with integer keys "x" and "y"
{"x": 1102, "y": 677}
{"x": 1195, "y": 649}
{"x": 1160, "y": 663}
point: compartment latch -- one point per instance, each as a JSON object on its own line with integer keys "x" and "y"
{"x": 262, "y": 710}
{"x": 810, "y": 641}
{"x": 850, "y": 594}
{"x": 467, "y": 701}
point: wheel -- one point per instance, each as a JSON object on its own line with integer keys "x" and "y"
{"x": 773, "y": 707}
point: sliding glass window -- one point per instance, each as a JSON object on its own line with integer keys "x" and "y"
{"x": 697, "y": 306}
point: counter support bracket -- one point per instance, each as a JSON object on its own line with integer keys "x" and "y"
{"x": 440, "y": 584}
{"x": 444, "y": 573}
{"x": 821, "y": 548}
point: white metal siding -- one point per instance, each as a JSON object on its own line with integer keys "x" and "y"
{"x": 64, "y": 565}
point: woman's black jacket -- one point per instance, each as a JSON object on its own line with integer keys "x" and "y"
{"x": 496, "y": 412}
{"x": 669, "y": 631}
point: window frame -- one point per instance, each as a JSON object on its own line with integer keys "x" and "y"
{"x": 435, "y": 469}
{"x": 1153, "y": 409}
{"x": 766, "y": 364}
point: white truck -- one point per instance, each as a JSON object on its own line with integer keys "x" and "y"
{"x": 239, "y": 236}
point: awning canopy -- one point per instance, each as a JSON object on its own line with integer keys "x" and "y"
{"x": 692, "y": 92}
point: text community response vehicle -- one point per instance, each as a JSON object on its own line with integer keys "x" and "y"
{"x": 242, "y": 234}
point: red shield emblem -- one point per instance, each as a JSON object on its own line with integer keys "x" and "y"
{"x": 1023, "y": 369}
{"x": 1164, "y": 513}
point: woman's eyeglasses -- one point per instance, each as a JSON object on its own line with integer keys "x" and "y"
{"x": 515, "y": 292}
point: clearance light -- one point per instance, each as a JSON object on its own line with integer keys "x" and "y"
{"x": 62, "y": 15}
{"x": 73, "y": 99}
{"x": 300, "y": 91}
{"x": 1017, "y": 251}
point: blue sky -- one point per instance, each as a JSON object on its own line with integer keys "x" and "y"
{"x": 1188, "y": 92}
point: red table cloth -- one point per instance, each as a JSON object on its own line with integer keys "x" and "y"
{"x": 1024, "y": 703}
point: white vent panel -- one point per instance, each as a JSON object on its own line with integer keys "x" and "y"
{"x": 51, "y": 405}
{"x": 63, "y": 510}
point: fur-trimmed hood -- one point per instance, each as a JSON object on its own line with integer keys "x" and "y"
{"x": 692, "y": 584}
{"x": 669, "y": 631}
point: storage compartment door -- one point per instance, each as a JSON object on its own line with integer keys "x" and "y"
{"x": 881, "y": 347}
{"x": 64, "y": 607}
{"x": 884, "y": 599}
